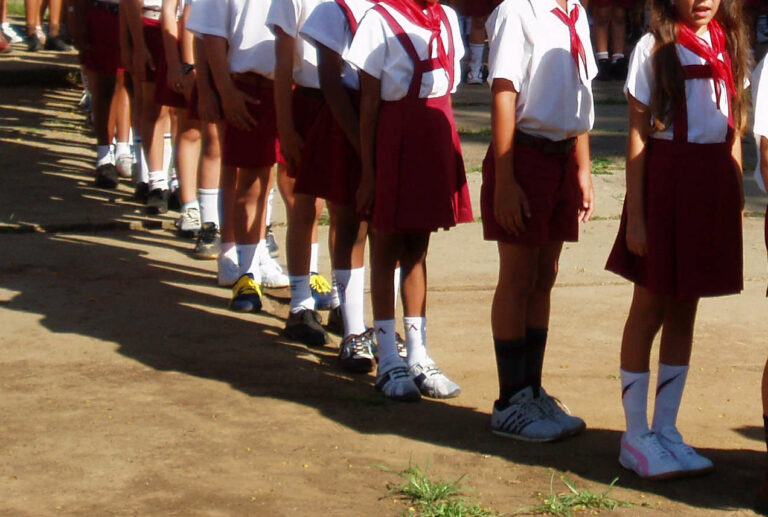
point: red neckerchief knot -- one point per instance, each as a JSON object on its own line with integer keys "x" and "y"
{"x": 721, "y": 69}
{"x": 428, "y": 18}
{"x": 577, "y": 48}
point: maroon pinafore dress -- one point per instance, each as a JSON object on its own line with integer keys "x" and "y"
{"x": 692, "y": 214}
{"x": 420, "y": 179}
{"x": 334, "y": 168}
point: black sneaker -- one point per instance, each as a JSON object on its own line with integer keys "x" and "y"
{"x": 157, "y": 201}
{"x": 335, "y": 322}
{"x": 619, "y": 69}
{"x": 356, "y": 353}
{"x": 174, "y": 199}
{"x": 106, "y": 176}
{"x": 304, "y": 326}
{"x": 208, "y": 243}
{"x": 33, "y": 43}
{"x": 141, "y": 192}
{"x": 56, "y": 43}
{"x": 271, "y": 243}
{"x": 603, "y": 70}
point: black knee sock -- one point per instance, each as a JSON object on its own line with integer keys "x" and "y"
{"x": 536, "y": 342}
{"x": 510, "y": 362}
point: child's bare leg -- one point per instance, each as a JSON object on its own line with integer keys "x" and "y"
{"x": 208, "y": 179}
{"x": 187, "y": 156}
{"x": 102, "y": 87}
{"x": 761, "y": 499}
{"x": 413, "y": 267}
{"x": 618, "y": 31}
{"x": 301, "y": 228}
{"x": 227, "y": 194}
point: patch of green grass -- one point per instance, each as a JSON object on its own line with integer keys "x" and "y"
{"x": 434, "y": 497}
{"x": 603, "y": 166}
{"x": 15, "y": 7}
{"x": 483, "y": 131}
{"x": 574, "y": 500}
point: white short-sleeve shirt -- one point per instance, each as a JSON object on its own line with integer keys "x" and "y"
{"x": 531, "y": 47}
{"x": 243, "y": 24}
{"x": 760, "y": 102}
{"x": 290, "y": 16}
{"x": 706, "y": 123}
{"x": 376, "y": 50}
{"x": 328, "y": 26}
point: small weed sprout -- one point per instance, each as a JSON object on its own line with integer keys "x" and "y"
{"x": 574, "y": 500}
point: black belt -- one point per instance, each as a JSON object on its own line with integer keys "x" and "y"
{"x": 106, "y": 6}
{"x": 545, "y": 145}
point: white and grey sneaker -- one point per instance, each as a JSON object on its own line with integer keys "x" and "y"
{"x": 188, "y": 222}
{"x": 397, "y": 384}
{"x": 356, "y": 353}
{"x": 272, "y": 276}
{"x": 432, "y": 382}
{"x": 10, "y": 33}
{"x": 124, "y": 165}
{"x": 692, "y": 462}
{"x": 645, "y": 455}
{"x": 474, "y": 77}
{"x": 524, "y": 419}
{"x": 229, "y": 271}
{"x": 571, "y": 425}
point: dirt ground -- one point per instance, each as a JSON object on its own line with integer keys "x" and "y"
{"x": 129, "y": 389}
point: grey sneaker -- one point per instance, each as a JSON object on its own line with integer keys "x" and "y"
{"x": 356, "y": 353}
{"x": 272, "y": 246}
{"x": 572, "y": 425}
{"x": 432, "y": 382}
{"x": 188, "y": 222}
{"x": 208, "y": 245}
{"x": 692, "y": 462}
{"x": 397, "y": 384}
{"x": 524, "y": 419}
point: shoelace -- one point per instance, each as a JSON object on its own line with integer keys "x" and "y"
{"x": 248, "y": 286}
{"x": 359, "y": 345}
{"x": 553, "y": 405}
{"x": 655, "y": 446}
{"x": 318, "y": 283}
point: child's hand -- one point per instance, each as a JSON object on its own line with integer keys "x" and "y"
{"x": 291, "y": 144}
{"x": 236, "y": 111}
{"x": 142, "y": 60}
{"x": 587, "y": 196}
{"x": 510, "y": 207}
{"x": 366, "y": 195}
{"x": 637, "y": 240}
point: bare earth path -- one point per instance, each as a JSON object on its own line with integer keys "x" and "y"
{"x": 127, "y": 388}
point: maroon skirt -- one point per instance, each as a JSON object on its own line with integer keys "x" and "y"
{"x": 307, "y": 104}
{"x": 164, "y": 95}
{"x": 420, "y": 181}
{"x": 330, "y": 167}
{"x": 103, "y": 54}
{"x": 256, "y": 147}
{"x": 693, "y": 223}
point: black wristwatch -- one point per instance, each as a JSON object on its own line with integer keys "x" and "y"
{"x": 186, "y": 68}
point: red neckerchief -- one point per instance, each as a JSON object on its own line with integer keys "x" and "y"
{"x": 577, "y": 48}
{"x": 721, "y": 70}
{"x": 429, "y": 20}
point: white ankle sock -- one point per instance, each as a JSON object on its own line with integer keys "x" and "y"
{"x": 263, "y": 252}
{"x": 246, "y": 255}
{"x": 634, "y": 398}
{"x": 601, "y": 55}
{"x": 351, "y": 286}
{"x": 397, "y": 284}
{"x": 158, "y": 179}
{"x": 301, "y": 293}
{"x": 416, "y": 339}
{"x": 167, "y": 152}
{"x": 229, "y": 250}
{"x": 313, "y": 258}
{"x": 103, "y": 155}
{"x": 122, "y": 149}
{"x": 209, "y": 205}
{"x": 615, "y": 57}
{"x": 386, "y": 344}
{"x": 476, "y": 56}
{"x": 669, "y": 393}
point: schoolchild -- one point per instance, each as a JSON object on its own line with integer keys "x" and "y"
{"x": 298, "y": 101}
{"x": 610, "y": 31}
{"x": 413, "y": 180}
{"x": 334, "y": 170}
{"x": 241, "y": 56}
{"x": 537, "y": 187}
{"x": 680, "y": 233}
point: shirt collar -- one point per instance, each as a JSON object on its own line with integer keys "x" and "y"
{"x": 544, "y": 7}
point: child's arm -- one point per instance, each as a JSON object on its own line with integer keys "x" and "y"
{"x": 330, "y": 67}
{"x": 233, "y": 101}
{"x": 290, "y": 141}
{"x": 177, "y": 81}
{"x": 639, "y": 128}
{"x": 207, "y": 103}
{"x": 510, "y": 206}
{"x": 141, "y": 57}
{"x": 187, "y": 41}
{"x": 370, "y": 102}
{"x": 126, "y": 45}
{"x": 584, "y": 163}
{"x": 738, "y": 161}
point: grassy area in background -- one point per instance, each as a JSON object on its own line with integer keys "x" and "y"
{"x": 15, "y": 7}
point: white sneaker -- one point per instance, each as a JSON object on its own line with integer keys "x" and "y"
{"x": 229, "y": 271}
{"x": 10, "y": 33}
{"x": 693, "y": 463}
{"x": 524, "y": 419}
{"x": 272, "y": 276}
{"x": 474, "y": 77}
{"x": 397, "y": 384}
{"x": 571, "y": 425}
{"x": 188, "y": 222}
{"x": 124, "y": 165}
{"x": 647, "y": 457}
{"x": 432, "y": 382}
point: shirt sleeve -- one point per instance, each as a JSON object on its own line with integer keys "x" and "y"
{"x": 640, "y": 74}
{"x": 328, "y": 26}
{"x": 209, "y": 17}
{"x": 760, "y": 85}
{"x": 283, "y": 15}
{"x": 507, "y": 58}
{"x": 368, "y": 51}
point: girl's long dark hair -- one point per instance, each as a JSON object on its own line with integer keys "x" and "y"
{"x": 669, "y": 84}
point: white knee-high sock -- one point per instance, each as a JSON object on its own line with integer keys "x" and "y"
{"x": 386, "y": 344}
{"x": 314, "y": 258}
{"x": 301, "y": 293}
{"x": 416, "y": 339}
{"x": 398, "y": 281}
{"x": 167, "y": 153}
{"x": 669, "y": 393}
{"x": 249, "y": 263}
{"x": 209, "y": 205}
{"x": 270, "y": 201}
{"x": 351, "y": 286}
{"x": 634, "y": 398}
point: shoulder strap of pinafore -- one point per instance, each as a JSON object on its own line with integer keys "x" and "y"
{"x": 680, "y": 123}
{"x": 350, "y": 16}
{"x": 420, "y": 67}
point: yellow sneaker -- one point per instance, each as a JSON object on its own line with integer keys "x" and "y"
{"x": 246, "y": 295}
{"x": 321, "y": 291}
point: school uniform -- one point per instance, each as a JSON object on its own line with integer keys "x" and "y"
{"x": 531, "y": 46}
{"x": 692, "y": 192}
{"x": 760, "y": 128}
{"x": 103, "y": 28}
{"x": 163, "y": 93}
{"x": 420, "y": 178}
{"x": 334, "y": 169}
{"x": 252, "y": 64}
{"x": 151, "y": 11}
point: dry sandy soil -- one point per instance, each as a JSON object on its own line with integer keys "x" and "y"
{"x": 129, "y": 389}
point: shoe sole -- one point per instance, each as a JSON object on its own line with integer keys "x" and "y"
{"x": 522, "y": 438}
{"x": 413, "y": 397}
{"x": 575, "y": 432}
{"x": 302, "y": 337}
{"x": 438, "y": 396}
{"x": 667, "y": 476}
{"x": 274, "y": 286}
{"x": 202, "y": 255}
